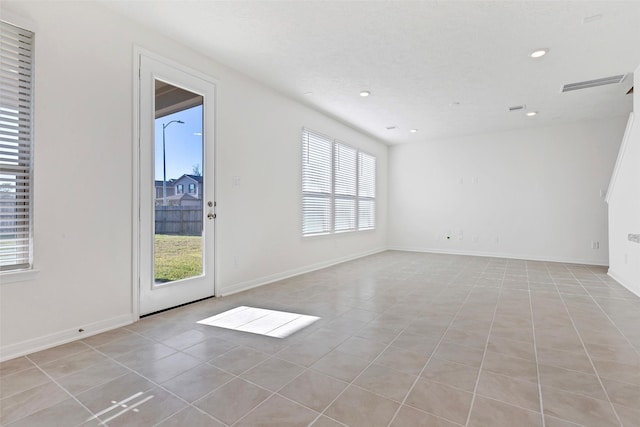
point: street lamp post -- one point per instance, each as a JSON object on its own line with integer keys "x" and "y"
{"x": 164, "y": 161}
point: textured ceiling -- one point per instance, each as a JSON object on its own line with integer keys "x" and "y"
{"x": 418, "y": 58}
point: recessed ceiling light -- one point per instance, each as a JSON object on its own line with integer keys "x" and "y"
{"x": 308, "y": 93}
{"x": 413, "y": 130}
{"x": 538, "y": 53}
{"x": 532, "y": 113}
{"x": 365, "y": 93}
{"x": 391, "y": 127}
{"x": 454, "y": 104}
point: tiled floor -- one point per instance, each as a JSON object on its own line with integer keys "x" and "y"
{"x": 404, "y": 339}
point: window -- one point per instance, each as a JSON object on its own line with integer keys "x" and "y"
{"x": 338, "y": 186}
{"x": 192, "y": 188}
{"x": 16, "y": 113}
{"x": 180, "y": 188}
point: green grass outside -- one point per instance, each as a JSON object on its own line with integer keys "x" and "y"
{"x": 177, "y": 257}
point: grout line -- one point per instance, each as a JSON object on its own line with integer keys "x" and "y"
{"x": 535, "y": 349}
{"x": 486, "y": 346}
{"x": 564, "y": 304}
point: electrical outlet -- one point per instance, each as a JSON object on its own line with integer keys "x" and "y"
{"x": 595, "y": 244}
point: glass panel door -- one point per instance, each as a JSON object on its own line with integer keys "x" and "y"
{"x": 176, "y": 217}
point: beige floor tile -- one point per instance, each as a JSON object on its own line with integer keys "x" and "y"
{"x": 326, "y": 422}
{"x": 313, "y": 390}
{"x": 557, "y": 422}
{"x": 572, "y": 381}
{"x": 273, "y": 373}
{"x": 520, "y": 369}
{"x": 416, "y": 343}
{"x": 21, "y": 381}
{"x": 190, "y": 417}
{"x": 421, "y": 305}
{"x": 95, "y": 375}
{"x": 66, "y": 413}
{"x": 101, "y": 397}
{"x": 523, "y": 350}
{"x": 385, "y": 382}
{"x": 146, "y": 410}
{"x": 408, "y": 416}
{"x": 29, "y": 401}
{"x": 452, "y": 374}
{"x": 233, "y": 400}
{"x": 506, "y": 389}
{"x": 577, "y": 408}
{"x": 238, "y": 360}
{"x": 277, "y": 411}
{"x": 576, "y": 361}
{"x": 139, "y": 358}
{"x": 441, "y": 400}
{"x": 305, "y": 352}
{"x": 357, "y": 407}
{"x": 59, "y": 352}
{"x": 459, "y": 354}
{"x": 489, "y": 412}
{"x": 14, "y": 366}
{"x": 340, "y": 365}
{"x": 106, "y": 337}
{"x": 628, "y": 416}
{"x": 210, "y": 348}
{"x": 196, "y": 382}
{"x": 403, "y": 360}
{"x": 624, "y": 394}
{"x": 618, "y": 371}
{"x": 72, "y": 364}
{"x": 362, "y": 348}
{"x": 168, "y": 367}
{"x": 123, "y": 345}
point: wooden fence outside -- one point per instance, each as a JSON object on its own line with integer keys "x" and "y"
{"x": 179, "y": 220}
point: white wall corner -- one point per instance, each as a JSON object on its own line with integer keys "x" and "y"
{"x": 629, "y": 286}
{"x": 62, "y": 337}
{"x": 621, "y": 153}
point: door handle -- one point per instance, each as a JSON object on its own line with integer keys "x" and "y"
{"x": 211, "y": 216}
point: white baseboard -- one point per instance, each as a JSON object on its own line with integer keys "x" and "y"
{"x": 624, "y": 282}
{"x": 58, "y": 338}
{"x": 500, "y": 255}
{"x": 254, "y": 283}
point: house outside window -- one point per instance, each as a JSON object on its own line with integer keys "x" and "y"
{"x": 192, "y": 188}
{"x": 180, "y": 189}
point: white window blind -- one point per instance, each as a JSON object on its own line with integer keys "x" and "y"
{"x": 338, "y": 186}
{"x": 366, "y": 191}
{"x": 345, "y": 170}
{"x": 317, "y": 152}
{"x": 16, "y": 73}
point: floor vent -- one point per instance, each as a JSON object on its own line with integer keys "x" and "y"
{"x": 593, "y": 83}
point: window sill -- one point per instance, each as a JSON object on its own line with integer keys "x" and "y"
{"x": 18, "y": 276}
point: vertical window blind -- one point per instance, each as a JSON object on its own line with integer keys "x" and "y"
{"x": 16, "y": 75}
{"x": 338, "y": 186}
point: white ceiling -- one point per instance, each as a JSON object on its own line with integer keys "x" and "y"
{"x": 418, "y": 57}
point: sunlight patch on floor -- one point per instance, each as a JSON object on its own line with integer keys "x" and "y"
{"x": 271, "y": 323}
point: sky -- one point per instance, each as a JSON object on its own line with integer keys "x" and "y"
{"x": 183, "y": 143}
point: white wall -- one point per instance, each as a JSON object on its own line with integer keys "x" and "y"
{"x": 624, "y": 205}
{"x": 83, "y": 128}
{"x": 531, "y": 194}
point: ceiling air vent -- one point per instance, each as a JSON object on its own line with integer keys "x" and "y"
{"x": 593, "y": 83}
{"x": 517, "y": 107}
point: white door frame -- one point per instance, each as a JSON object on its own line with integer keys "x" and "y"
{"x": 138, "y": 52}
